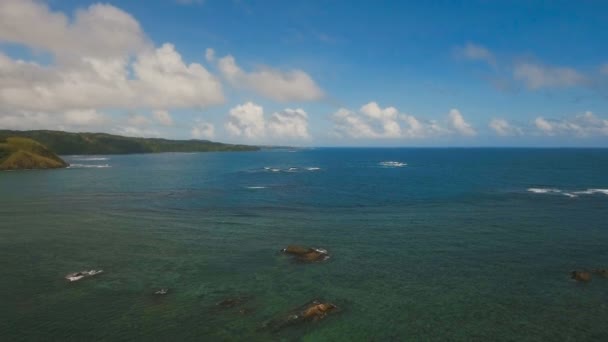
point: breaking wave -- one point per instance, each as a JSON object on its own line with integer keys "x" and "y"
{"x": 392, "y": 164}
{"x": 571, "y": 194}
{"x": 292, "y": 169}
{"x": 91, "y": 158}
{"x": 256, "y": 187}
{"x": 88, "y": 166}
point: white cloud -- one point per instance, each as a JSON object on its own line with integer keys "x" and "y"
{"x": 101, "y": 59}
{"x": 282, "y": 86}
{"x": 457, "y": 122}
{"x": 203, "y": 130}
{"x": 210, "y": 55}
{"x": 537, "y": 76}
{"x": 582, "y": 125}
{"x": 289, "y": 123}
{"x": 163, "y": 117}
{"x": 70, "y": 120}
{"x": 374, "y": 122}
{"x": 503, "y": 128}
{"x": 138, "y": 120}
{"x": 100, "y": 30}
{"x": 477, "y": 53}
{"x": 246, "y": 120}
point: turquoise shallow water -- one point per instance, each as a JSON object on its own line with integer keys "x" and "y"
{"x": 452, "y": 246}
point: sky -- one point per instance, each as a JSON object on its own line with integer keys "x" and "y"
{"x": 310, "y": 72}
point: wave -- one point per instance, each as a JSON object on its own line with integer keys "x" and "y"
{"x": 392, "y": 164}
{"x": 592, "y": 192}
{"x": 291, "y": 169}
{"x": 571, "y": 194}
{"x": 256, "y": 187}
{"x": 91, "y": 159}
{"x": 543, "y": 190}
{"x": 88, "y": 166}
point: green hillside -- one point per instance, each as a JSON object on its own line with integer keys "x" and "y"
{"x": 17, "y": 153}
{"x": 65, "y": 143}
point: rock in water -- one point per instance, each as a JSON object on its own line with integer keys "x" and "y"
{"x": 583, "y": 276}
{"x": 311, "y": 312}
{"x": 306, "y": 254}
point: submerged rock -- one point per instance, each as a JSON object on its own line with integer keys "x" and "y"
{"x": 312, "y": 311}
{"x": 306, "y": 254}
{"x": 602, "y": 272}
{"x": 583, "y": 276}
{"x": 231, "y": 302}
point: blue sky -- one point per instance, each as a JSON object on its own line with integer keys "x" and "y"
{"x": 310, "y": 73}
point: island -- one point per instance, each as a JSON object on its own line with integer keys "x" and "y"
{"x": 67, "y": 143}
{"x": 18, "y": 153}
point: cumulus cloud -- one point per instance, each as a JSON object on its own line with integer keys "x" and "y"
{"x": 582, "y": 125}
{"x": 457, "y": 122}
{"x": 69, "y": 120}
{"x": 100, "y": 30}
{"x": 289, "y": 123}
{"x": 536, "y": 76}
{"x": 202, "y": 130}
{"x": 248, "y": 121}
{"x": 476, "y": 53}
{"x": 163, "y": 117}
{"x": 375, "y": 122}
{"x": 282, "y": 86}
{"x": 503, "y": 128}
{"x": 101, "y": 59}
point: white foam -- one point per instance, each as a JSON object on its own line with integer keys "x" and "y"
{"x": 592, "y": 192}
{"x": 313, "y": 168}
{"x": 86, "y": 166}
{"x": 256, "y": 187}
{"x": 544, "y": 190}
{"x": 292, "y": 169}
{"x": 91, "y": 158}
{"x": 392, "y": 164}
{"x": 571, "y": 194}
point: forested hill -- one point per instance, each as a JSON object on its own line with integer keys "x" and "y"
{"x": 18, "y": 153}
{"x": 66, "y": 143}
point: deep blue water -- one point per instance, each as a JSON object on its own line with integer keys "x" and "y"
{"x": 459, "y": 244}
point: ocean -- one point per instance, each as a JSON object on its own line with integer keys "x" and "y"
{"x": 426, "y": 245}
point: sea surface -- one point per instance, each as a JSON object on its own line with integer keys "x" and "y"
{"x": 425, "y": 244}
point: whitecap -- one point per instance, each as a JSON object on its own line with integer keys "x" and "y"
{"x": 91, "y": 159}
{"x": 314, "y": 168}
{"x": 392, "y": 164}
{"x": 544, "y": 190}
{"x": 86, "y": 166}
{"x": 256, "y": 187}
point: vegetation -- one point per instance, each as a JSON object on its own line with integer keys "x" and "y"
{"x": 65, "y": 143}
{"x": 18, "y": 153}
